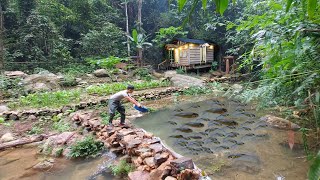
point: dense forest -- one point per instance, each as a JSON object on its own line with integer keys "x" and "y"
{"x": 276, "y": 43}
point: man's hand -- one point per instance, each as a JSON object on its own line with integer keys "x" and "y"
{"x": 139, "y": 105}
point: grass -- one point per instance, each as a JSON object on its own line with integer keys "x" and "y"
{"x": 66, "y": 97}
{"x": 48, "y": 99}
{"x": 107, "y": 89}
{"x": 195, "y": 90}
{"x": 122, "y": 169}
{"x": 61, "y": 126}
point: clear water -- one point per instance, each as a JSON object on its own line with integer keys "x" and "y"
{"x": 234, "y": 144}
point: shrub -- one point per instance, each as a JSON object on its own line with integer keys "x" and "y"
{"x": 87, "y": 147}
{"x": 122, "y": 169}
{"x": 61, "y": 126}
{"x": 68, "y": 80}
{"x": 195, "y": 90}
{"x": 143, "y": 73}
{"x": 107, "y": 63}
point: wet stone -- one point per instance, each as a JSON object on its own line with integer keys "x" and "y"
{"x": 246, "y": 163}
{"x": 185, "y": 130}
{"x": 187, "y": 115}
{"x": 195, "y": 124}
{"x": 217, "y": 110}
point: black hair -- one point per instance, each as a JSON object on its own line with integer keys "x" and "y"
{"x": 130, "y": 87}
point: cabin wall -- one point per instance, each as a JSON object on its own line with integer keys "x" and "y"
{"x": 195, "y": 54}
{"x": 210, "y": 55}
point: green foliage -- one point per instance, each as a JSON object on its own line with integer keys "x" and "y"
{"x": 36, "y": 130}
{"x": 2, "y": 120}
{"x": 314, "y": 171}
{"x": 87, "y": 147}
{"x": 122, "y": 169}
{"x": 11, "y": 87}
{"x": 180, "y": 71}
{"x": 105, "y": 117}
{"x": 61, "y": 126}
{"x": 105, "y": 42}
{"x": 106, "y": 89}
{"x": 107, "y": 63}
{"x": 165, "y": 35}
{"x": 48, "y": 99}
{"x": 68, "y": 80}
{"x": 59, "y": 152}
{"x": 196, "y": 90}
{"x": 144, "y": 73}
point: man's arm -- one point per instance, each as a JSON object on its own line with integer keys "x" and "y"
{"x": 133, "y": 101}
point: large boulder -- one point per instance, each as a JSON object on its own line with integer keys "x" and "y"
{"x": 3, "y": 109}
{"x": 7, "y": 138}
{"x": 101, "y": 73}
{"x": 280, "y": 123}
{"x": 41, "y": 82}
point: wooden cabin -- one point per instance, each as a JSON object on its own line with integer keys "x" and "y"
{"x": 190, "y": 53}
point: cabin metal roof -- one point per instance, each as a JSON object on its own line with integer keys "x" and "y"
{"x": 195, "y": 41}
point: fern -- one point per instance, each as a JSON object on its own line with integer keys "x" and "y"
{"x": 314, "y": 171}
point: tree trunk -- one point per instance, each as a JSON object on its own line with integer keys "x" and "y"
{"x": 127, "y": 27}
{"x": 140, "y": 62}
{"x": 1, "y": 41}
{"x": 20, "y": 142}
{"x": 139, "y": 15}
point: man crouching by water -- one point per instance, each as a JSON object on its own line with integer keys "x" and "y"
{"x": 115, "y": 104}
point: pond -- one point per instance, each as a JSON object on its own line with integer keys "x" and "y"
{"x": 227, "y": 139}
{"x": 18, "y": 163}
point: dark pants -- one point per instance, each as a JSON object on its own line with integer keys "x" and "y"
{"x": 116, "y": 106}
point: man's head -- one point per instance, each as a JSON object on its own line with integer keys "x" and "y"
{"x": 130, "y": 88}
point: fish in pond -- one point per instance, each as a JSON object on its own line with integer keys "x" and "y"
{"x": 232, "y": 134}
{"x": 178, "y": 110}
{"x": 195, "y": 137}
{"x": 227, "y": 122}
{"x": 185, "y": 130}
{"x": 211, "y": 140}
{"x": 195, "y": 124}
{"x": 187, "y": 114}
{"x": 210, "y": 130}
{"x": 172, "y": 123}
{"x": 195, "y": 106}
{"x": 214, "y": 123}
{"x": 217, "y": 110}
{"x": 178, "y": 136}
{"x": 234, "y": 156}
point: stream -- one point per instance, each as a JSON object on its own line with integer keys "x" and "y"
{"x": 18, "y": 163}
{"x": 227, "y": 140}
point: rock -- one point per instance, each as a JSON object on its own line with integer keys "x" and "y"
{"x": 156, "y": 174}
{"x": 14, "y": 116}
{"x": 7, "y": 137}
{"x": 101, "y": 73}
{"x": 32, "y": 118}
{"x": 187, "y": 115}
{"x": 150, "y": 161}
{"x": 15, "y": 74}
{"x": 182, "y": 163}
{"x": 137, "y": 161}
{"x": 38, "y": 82}
{"x": 118, "y": 150}
{"x": 237, "y": 88}
{"x": 189, "y": 174}
{"x": 44, "y": 165}
{"x": 170, "y": 178}
{"x": 146, "y": 154}
{"x": 3, "y": 109}
{"x": 161, "y": 158}
{"x": 139, "y": 175}
{"x": 280, "y": 123}
{"x": 180, "y": 80}
{"x": 121, "y": 66}
{"x": 156, "y": 147}
{"x": 217, "y": 73}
